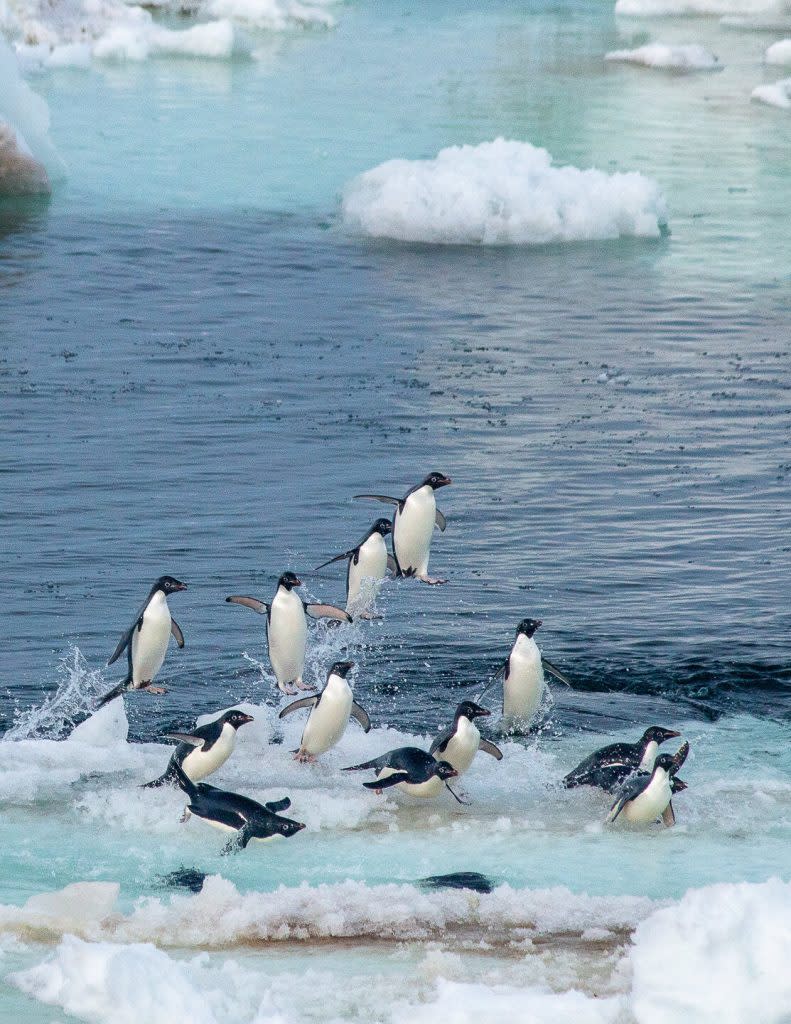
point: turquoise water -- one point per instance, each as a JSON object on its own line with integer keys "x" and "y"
{"x": 202, "y": 361}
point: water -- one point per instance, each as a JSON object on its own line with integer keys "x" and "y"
{"x": 201, "y": 364}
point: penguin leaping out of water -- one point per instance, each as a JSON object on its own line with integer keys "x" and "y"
{"x": 608, "y": 767}
{"x": 459, "y": 745}
{"x": 287, "y": 629}
{"x": 415, "y": 517}
{"x": 201, "y": 752}
{"x": 647, "y": 796}
{"x": 235, "y": 813}
{"x": 330, "y": 711}
{"x": 146, "y": 640}
{"x": 409, "y": 768}
{"x": 369, "y": 561}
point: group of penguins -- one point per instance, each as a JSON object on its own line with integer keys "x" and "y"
{"x": 642, "y": 780}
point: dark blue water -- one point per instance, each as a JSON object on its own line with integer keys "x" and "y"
{"x": 203, "y": 396}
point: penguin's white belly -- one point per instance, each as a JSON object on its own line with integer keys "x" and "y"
{"x": 150, "y": 642}
{"x": 197, "y": 765}
{"x": 523, "y": 690}
{"x": 370, "y": 570}
{"x": 424, "y": 790}
{"x": 327, "y": 723}
{"x": 650, "y": 804}
{"x": 647, "y": 764}
{"x": 413, "y": 529}
{"x": 461, "y": 750}
{"x": 287, "y": 635}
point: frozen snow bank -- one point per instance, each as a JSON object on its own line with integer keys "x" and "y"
{"x": 719, "y": 956}
{"x": 688, "y": 57}
{"x": 215, "y": 40}
{"x": 777, "y": 95}
{"x": 779, "y": 53}
{"x": 657, "y": 8}
{"x": 27, "y": 157}
{"x": 500, "y": 193}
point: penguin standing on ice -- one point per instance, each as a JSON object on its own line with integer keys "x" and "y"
{"x": 459, "y": 745}
{"x": 413, "y": 526}
{"x": 409, "y": 768}
{"x": 368, "y": 561}
{"x": 201, "y": 752}
{"x": 523, "y": 678}
{"x": 330, "y": 711}
{"x": 647, "y": 796}
{"x": 287, "y": 629}
{"x": 609, "y": 766}
{"x": 146, "y": 640}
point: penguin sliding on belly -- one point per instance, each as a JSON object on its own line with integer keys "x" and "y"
{"x": 646, "y": 796}
{"x": 146, "y": 640}
{"x": 523, "y": 678}
{"x": 201, "y": 752}
{"x": 409, "y": 768}
{"x": 608, "y": 767}
{"x": 413, "y": 526}
{"x": 287, "y": 629}
{"x": 330, "y": 711}
{"x": 234, "y": 813}
{"x": 368, "y": 563}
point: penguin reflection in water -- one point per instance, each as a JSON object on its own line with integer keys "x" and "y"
{"x": 330, "y": 711}
{"x": 234, "y": 813}
{"x": 413, "y": 526}
{"x": 287, "y": 629}
{"x": 367, "y": 565}
{"x": 647, "y": 796}
{"x": 146, "y": 640}
{"x": 409, "y": 768}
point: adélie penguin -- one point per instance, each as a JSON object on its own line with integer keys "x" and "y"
{"x": 203, "y": 750}
{"x": 647, "y": 796}
{"x": 609, "y": 766}
{"x": 287, "y": 629}
{"x": 523, "y": 678}
{"x": 459, "y": 745}
{"x": 413, "y": 526}
{"x": 146, "y": 640}
{"x": 368, "y": 562}
{"x": 235, "y": 813}
{"x": 409, "y": 768}
{"x": 330, "y": 711}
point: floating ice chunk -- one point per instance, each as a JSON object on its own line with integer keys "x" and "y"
{"x": 500, "y": 193}
{"x": 106, "y": 727}
{"x": 656, "y": 8}
{"x": 779, "y": 53}
{"x": 777, "y": 95}
{"x": 271, "y": 14}
{"x": 216, "y": 40}
{"x": 686, "y": 57}
{"x": 736, "y": 937}
{"x": 20, "y": 173}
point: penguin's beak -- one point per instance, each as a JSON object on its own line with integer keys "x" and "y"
{"x": 297, "y": 582}
{"x": 181, "y": 586}
{"x": 345, "y": 666}
{"x": 244, "y": 719}
{"x": 481, "y": 712}
{"x": 443, "y": 482}
{"x": 671, "y": 734}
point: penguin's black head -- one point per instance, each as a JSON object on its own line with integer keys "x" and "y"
{"x": 286, "y": 827}
{"x": 289, "y": 580}
{"x": 437, "y": 480}
{"x": 341, "y": 668}
{"x": 469, "y": 709}
{"x": 665, "y": 761}
{"x": 383, "y": 526}
{"x": 169, "y": 584}
{"x": 528, "y": 626}
{"x": 658, "y": 734}
{"x": 237, "y": 718}
{"x": 445, "y": 770}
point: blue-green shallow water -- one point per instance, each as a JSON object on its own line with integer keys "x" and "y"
{"x": 200, "y": 365}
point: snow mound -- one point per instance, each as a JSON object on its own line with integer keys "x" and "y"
{"x": 687, "y": 57}
{"x": 659, "y": 8}
{"x": 777, "y": 95}
{"x": 779, "y": 53}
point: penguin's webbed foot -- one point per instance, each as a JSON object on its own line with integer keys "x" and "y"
{"x": 304, "y": 757}
{"x": 433, "y": 581}
{"x": 287, "y": 688}
{"x": 303, "y": 686}
{"x": 156, "y": 689}
{"x": 369, "y": 615}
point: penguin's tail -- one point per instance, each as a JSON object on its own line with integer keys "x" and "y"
{"x": 185, "y": 782}
{"x": 112, "y": 694}
{"x": 168, "y": 778}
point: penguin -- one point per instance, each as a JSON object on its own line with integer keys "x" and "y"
{"x": 646, "y": 796}
{"x": 330, "y": 711}
{"x": 368, "y": 560}
{"x": 235, "y": 813}
{"x": 413, "y": 525}
{"x": 459, "y": 745}
{"x": 287, "y": 629}
{"x": 146, "y": 640}
{"x": 523, "y": 678}
{"x": 608, "y": 767}
{"x": 409, "y": 768}
{"x": 201, "y": 752}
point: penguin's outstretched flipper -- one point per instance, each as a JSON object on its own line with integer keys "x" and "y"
{"x": 327, "y": 611}
{"x": 554, "y": 671}
{"x": 386, "y": 498}
{"x": 391, "y": 780}
{"x": 359, "y": 714}
{"x": 175, "y": 629}
{"x": 490, "y": 748}
{"x": 250, "y": 602}
{"x": 303, "y": 702}
{"x": 376, "y": 762}
{"x": 336, "y": 558}
{"x": 125, "y": 640}
{"x": 276, "y": 806}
